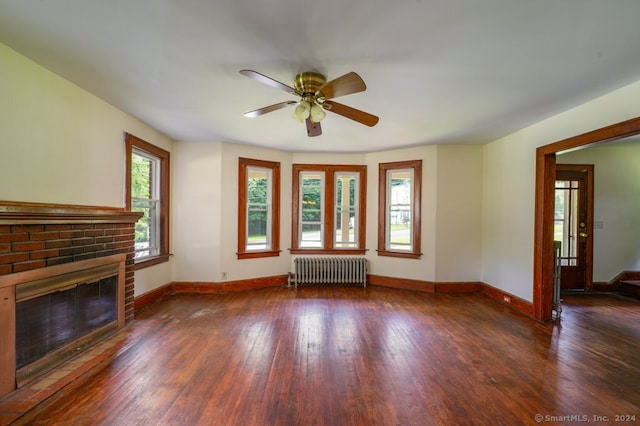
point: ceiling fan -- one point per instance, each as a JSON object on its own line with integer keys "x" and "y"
{"x": 316, "y": 94}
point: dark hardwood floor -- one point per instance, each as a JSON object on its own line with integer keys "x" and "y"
{"x": 353, "y": 356}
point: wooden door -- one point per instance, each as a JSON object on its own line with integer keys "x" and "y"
{"x": 573, "y": 224}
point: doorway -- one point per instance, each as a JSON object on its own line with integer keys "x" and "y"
{"x": 543, "y": 263}
{"x": 572, "y": 225}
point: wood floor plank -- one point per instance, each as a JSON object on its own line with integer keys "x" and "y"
{"x": 353, "y": 356}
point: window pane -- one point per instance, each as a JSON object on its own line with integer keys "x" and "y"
{"x": 312, "y": 185}
{"x": 258, "y": 209}
{"x": 399, "y": 210}
{"x": 311, "y": 197}
{"x": 311, "y": 235}
{"x": 257, "y": 185}
{"x": 146, "y": 227}
{"x": 400, "y": 185}
{"x": 400, "y": 228}
{"x": 257, "y": 228}
{"x": 144, "y": 181}
{"x": 345, "y": 210}
{"x": 141, "y": 176}
{"x": 311, "y": 212}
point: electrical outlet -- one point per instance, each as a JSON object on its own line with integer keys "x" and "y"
{"x": 224, "y": 275}
{"x": 507, "y": 299}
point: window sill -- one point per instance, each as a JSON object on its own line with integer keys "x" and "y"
{"x": 327, "y": 251}
{"x": 257, "y": 254}
{"x": 405, "y": 255}
{"x": 151, "y": 261}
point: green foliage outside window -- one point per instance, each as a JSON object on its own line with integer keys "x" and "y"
{"x": 257, "y": 201}
{"x": 141, "y": 191}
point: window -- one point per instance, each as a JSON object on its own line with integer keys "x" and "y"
{"x": 329, "y": 209}
{"x": 399, "y": 190}
{"x": 147, "y": 191}
{"x": 258, "y": 209}
{"x": 345, "y": 207}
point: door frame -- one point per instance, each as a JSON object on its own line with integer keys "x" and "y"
{"x": 543, "y": 264}
{"x": 588, "y": 255}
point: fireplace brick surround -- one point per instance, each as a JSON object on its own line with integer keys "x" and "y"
{"x": 35, "y": 235}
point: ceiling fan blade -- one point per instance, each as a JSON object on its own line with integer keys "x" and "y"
{"x": 345, "y": 85}
{"x": 313, "y": 129}
{"x": 270, "y": 108}
{"x": 268, "y": 81}
{"x": 352, "y": 113}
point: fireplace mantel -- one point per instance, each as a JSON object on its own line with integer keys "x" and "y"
{"x": 12, "y": 213}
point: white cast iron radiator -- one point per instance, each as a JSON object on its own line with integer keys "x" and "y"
{"x": 330, "y": 270}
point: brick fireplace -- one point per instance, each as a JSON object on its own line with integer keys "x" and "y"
{"x": 38, "y": 238}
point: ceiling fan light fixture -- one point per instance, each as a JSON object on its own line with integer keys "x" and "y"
{"x": 316, "y": 96}
{"x": 302, "y": 111}
{"x": 317, "y": 113}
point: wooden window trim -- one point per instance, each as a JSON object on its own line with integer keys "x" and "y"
{"x": 416, "y": 214}
{"x": 330, "y": 170}
{"x": 243, "y": 164}
{"x": 132, "y": 142}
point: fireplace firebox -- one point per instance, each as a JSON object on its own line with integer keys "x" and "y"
{"x": 58, "y": 317}
{"x": 59, "y": 311}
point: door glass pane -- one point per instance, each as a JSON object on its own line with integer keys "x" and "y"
{"x": 345, "y": 210}
{"x": 566, "y": 220}
{"x": 399, "y": 209}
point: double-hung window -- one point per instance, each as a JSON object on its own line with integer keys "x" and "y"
{"x": 347, "y": 201}
{"x": 329, "y": 209}
{"x": 399, "y": 195}
{"x": 312, "y": 206}
{"x": 258, "y": 208}
{"x": 148, "y": 193}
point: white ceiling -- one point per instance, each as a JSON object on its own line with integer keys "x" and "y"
{"x": 437, "y": 71}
